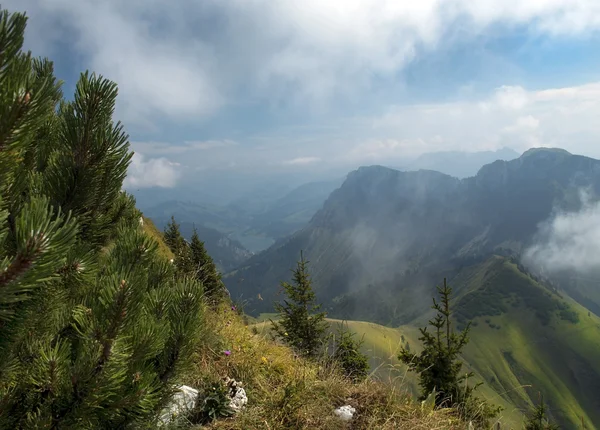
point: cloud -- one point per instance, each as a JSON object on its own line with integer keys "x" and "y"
{"x": 509, "y": 97}
{"x": 569, "y": 240}
{"x": 186, "y": 60}
{"x": 302, "y": 161}
{"x": 209, "y": 144}
{"x": 166, "y": 148}
{"x": 153, "y": 172}
{"x": 509, "y": 116}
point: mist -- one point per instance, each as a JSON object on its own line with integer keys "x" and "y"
{"x": 569, "y": 240}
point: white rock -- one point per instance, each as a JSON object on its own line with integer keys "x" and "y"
{"x": 182, "y": 402}
{"x": 237, "y": 394}
{"x": 142, "y": 221}
{"x": 345, "y": 412}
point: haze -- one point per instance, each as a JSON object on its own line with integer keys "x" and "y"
{"x": 215, "y": 91}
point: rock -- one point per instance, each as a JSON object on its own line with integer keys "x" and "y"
{"x": 237, "y": 394}
{"x": 345, "y": 412}
{"x": 141, "y": 221}
{"x": 182, "y": 402}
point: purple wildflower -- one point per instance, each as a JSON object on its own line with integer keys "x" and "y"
{"x": 227, "y": 352}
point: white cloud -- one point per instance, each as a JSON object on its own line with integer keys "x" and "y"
{"x": 558, "y": 117}
{"x": 302, "y": 161}
{"x": 187, "y": 59}
{"x": 153, "y": 172}
{"x": 518, "y": 118}
{"x": 209, "y": 144}
{"x": 166, "y": 148}
{"x": 509, "y": 97}
{"x": 569, "y": 240}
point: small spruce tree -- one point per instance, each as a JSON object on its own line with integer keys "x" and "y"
{"x": 348, "y": 355}
{"x": 538, "y": 419}
{"x": 300, "y": 325}
{"x": 439, "y": 366}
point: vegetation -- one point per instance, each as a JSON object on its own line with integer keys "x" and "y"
{"x": 192, "y": 260}
{"x": 95, "y": 326}
{"x": 286, "y": 391}
{"x": 205, "y": 270}
{"x": 300, "y": 325}
{"x": 538, "y": 420}
{"x": 439, "y": 367}
{"x": 101, "y": 315}
{"x": 347, "y": 354}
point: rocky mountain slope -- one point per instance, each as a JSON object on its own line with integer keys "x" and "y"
{"x": 385, "y": 238}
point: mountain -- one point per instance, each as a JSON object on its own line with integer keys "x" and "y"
{"x": 384, "y": 225}
{"x": 459, "y": 163}
{"x": 385, "y": 238}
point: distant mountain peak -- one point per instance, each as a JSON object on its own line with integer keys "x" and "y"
{"x": 543, "y": 151}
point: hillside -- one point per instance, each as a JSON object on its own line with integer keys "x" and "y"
{"x": 388, "y": 230}
{"x": 385, "y": 238}
{"x": 525, "y": 339}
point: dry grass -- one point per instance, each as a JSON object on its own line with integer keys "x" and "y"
{"x": 152, "y": 231}
{"x": 285, "y": 391}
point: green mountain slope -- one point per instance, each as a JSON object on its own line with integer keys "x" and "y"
{"x": 385, "y": 236}
{"x": 527, "y": 338}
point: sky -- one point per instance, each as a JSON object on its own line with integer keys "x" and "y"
{"x": 213, "y": 87}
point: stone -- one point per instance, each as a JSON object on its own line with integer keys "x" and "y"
{"x": 345, "y": 412}
{"x": 182, "y": 402}
{"x": 239, "y": 399}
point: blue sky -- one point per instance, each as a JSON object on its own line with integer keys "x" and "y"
{"x": 271, "y": 85}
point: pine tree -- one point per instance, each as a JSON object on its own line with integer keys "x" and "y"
{"x": 300, "y": 325}
{"x": 538, "y": 420}
{"x": 205, "y": 269}
{"x": 94, "y": 326}
{"x": 439, "y": 365}
{"x": 181, "y": 249}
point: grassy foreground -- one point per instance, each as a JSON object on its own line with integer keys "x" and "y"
{"x": 285, "y": 391}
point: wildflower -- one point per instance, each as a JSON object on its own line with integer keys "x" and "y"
{"x": 233, "y": 308}
{"x": 286, "y": 333}
{"x": 227, "y": 352}
{"x": 264, "y": 360}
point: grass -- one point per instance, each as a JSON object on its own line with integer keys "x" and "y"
{"x": 515, "y": 352}
{"x": 285, "y": 391}
{"x": 518, "y": 348}
{"x": 157, "y": 235}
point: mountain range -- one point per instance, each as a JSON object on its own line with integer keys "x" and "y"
{"x": 385, "y": 238}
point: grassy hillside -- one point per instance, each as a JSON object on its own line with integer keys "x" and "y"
{"x": 526, "y": 339}
{"x": 286, "y": 391}
{"x": 157, "y": 235}
{"x": 382, "y": 344}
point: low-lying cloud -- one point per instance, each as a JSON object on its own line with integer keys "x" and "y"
{"x": 153, "y": 172}
{"x": 569, "y": 240}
